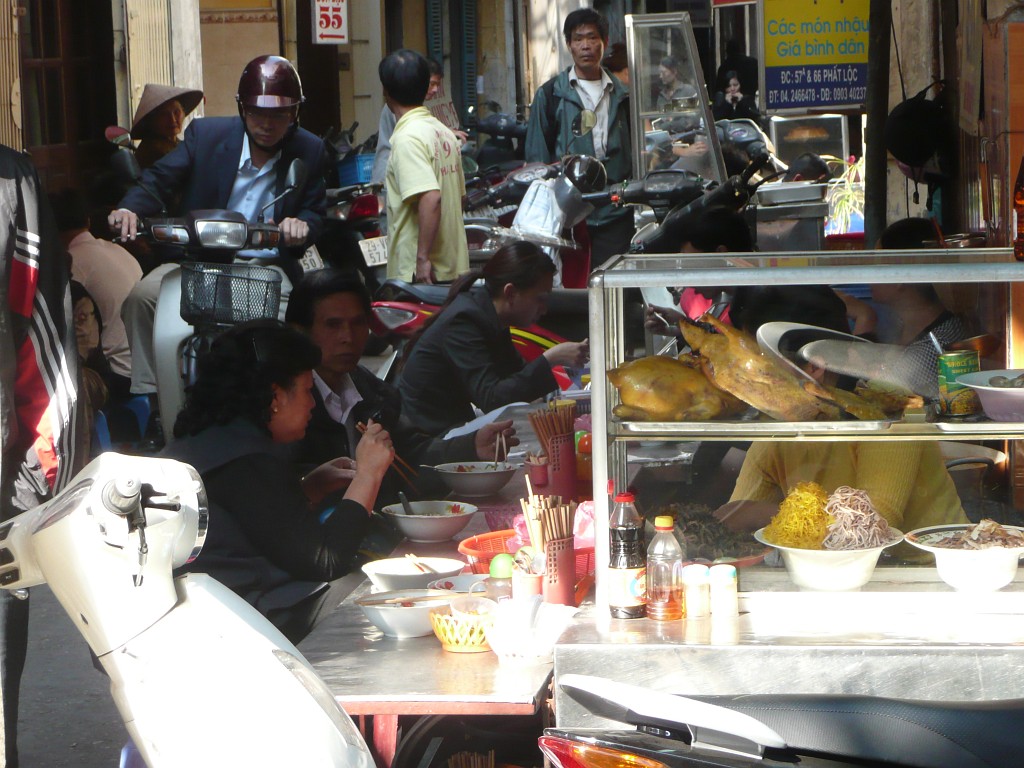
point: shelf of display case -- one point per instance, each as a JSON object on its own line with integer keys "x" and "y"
{"x": 813, "y": 430}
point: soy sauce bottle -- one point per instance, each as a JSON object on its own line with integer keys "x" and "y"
{"x": 627, "y": 564}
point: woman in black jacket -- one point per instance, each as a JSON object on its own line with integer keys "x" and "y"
{"x": 731, "y": 103}
{"x": 253, "y": 396}
{"x": 466, "y": 356}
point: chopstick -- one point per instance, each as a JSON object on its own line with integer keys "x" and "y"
{"x": 500, "y": 447}
{"x": 398, "y": 600}
{"x": 420, "y": 564}
{"x": 552, "y": 421}
{"x": 361, "y": 428}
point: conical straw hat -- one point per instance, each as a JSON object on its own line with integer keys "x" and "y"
{"x": 154, "y": 96}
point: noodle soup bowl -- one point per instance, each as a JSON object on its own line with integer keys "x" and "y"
{"x": 968, "y": 570}
{"x": 830, "y": 570}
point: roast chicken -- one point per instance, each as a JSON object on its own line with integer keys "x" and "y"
{"x": 666, "y": 389}
{"x": 732, "y": 361}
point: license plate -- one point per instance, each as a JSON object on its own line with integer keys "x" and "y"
{"x": 375, "y": 251}
{"x": 311, "y": 260}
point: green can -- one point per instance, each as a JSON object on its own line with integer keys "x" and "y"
{"x": 955, "y": 399}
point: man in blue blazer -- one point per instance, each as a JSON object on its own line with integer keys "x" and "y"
{"x": 234, "y": 163}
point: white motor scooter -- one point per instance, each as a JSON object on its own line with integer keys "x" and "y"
{"x": 199, "y": 677}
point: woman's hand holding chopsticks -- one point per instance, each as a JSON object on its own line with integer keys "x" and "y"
{"x": 374, "y": 454}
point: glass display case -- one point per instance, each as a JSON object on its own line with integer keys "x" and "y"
{"x": 669, "y": 98}
{"x": 972, "y": 283}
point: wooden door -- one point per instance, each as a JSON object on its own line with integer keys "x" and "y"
{"x": 67, "y": 87}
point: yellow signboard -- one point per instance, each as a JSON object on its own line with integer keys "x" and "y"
{"x": 815, "y": 53}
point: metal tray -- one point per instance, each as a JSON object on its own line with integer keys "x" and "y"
{"x": 695, "y": 428}
{"x": 779, "y": 193}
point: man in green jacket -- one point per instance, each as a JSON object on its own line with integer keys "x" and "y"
{"x": 586, "y": 86}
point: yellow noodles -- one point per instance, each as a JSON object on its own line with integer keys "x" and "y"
{"x": 801, "y": 520}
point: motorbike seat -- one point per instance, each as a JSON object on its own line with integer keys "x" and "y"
{"x": 900, "y": 731}
{"x": 399, "y": 290}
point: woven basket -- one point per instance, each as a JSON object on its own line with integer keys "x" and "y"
{"x": 460, "y": 635}
{"x": 501, "y": 517}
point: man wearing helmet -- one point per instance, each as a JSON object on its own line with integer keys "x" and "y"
{"x": 234, "y": 163}
{"x": 423, "y": 181}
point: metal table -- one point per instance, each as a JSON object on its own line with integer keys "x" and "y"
{"x": 905, "y": 635}
{"x": 370, "y": 674}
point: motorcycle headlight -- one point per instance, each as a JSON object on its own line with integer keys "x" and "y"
{"x": 170, "y": 234}
{"x": 222, "y": 234}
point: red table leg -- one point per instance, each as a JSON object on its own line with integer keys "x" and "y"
{"x": 385, "y": 739}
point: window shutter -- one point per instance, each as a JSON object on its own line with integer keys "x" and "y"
{"x": 148, "y": 34}
{"x": 10, "y": 80}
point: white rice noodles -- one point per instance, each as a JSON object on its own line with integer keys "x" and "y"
{"x": 857, "y": 524}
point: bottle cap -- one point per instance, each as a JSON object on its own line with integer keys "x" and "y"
{"x": 664, "y": 522}
{"x": 723, "y": 572}
{"x": 624, "y": 498}
{"x": 696, "y": 573}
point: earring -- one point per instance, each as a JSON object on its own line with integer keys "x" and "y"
{"x": 274, "y": 409}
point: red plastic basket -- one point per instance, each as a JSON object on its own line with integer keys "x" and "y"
{"x": 482, "y": 548}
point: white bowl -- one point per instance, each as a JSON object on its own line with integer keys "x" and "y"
{"x": 969, "y": 570}
{"x": 402, "y": 619}
{"x": 999, "y": 403}
{"x": 432, "y": 521}
{"x": 462, "y": 583}
{"x": 476, "y": 478}
{"x": 401, "y": 573}
{"x": 830, "y": 570}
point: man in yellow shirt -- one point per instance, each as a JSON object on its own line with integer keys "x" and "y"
{"x": 424, "y": 182}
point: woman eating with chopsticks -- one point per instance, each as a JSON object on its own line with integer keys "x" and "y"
{"x": 466, "y": 357}
{"x": 266, "y": 542}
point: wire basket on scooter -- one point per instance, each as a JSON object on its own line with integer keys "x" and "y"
{"x": 226, "y": 294}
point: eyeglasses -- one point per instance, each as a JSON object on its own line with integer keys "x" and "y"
{"x": 275, "y": 116}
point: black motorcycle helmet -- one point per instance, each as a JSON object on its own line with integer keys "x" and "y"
{"x": 586, "y": 173}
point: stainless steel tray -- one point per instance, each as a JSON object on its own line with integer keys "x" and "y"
{"x": 791, "y": 192}
{"x": 740, "y": 428}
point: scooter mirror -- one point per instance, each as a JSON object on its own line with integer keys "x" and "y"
{"x": 118, "y": 136}
{"x": 126, "y": 164}
{"x": 296, "y": 175}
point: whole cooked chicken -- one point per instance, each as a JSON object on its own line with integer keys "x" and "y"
{"x": 666, "y": 389}
{"x": 733, "y": 362}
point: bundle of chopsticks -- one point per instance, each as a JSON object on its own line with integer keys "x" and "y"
{"x": 471, "y": 760}
{"x": 547, "y": 519}
{"x": 400, "y": 466}
{"x": 557, "y": 419}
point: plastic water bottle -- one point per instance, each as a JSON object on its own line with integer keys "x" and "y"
{"x": 627, "y": 583}
{"x": 664, "y": 573}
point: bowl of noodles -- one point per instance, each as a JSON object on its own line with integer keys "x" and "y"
{"x": 476, "y": 478}
{"x": 982, "y": 557}
{"x": 828, "y": 542}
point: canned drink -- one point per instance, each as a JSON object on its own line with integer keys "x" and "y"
{"x": 955, "y": 399}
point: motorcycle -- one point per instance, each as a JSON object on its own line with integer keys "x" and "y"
{"x": 400, "y": 310}
{"x": 207, "y": 293}
{"x": 503, "y": 149}
{"x": 354, "y": 218}
{"x": 772, "y": 731}
{"x": 198, "y": 676}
